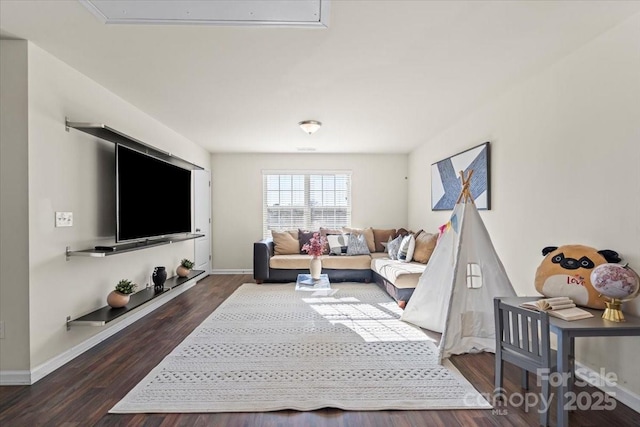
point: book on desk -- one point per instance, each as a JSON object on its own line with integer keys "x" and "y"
{"x": 561, "y": 307}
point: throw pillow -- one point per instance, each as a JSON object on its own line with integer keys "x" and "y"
{"x": 284, "y": 243}
{"x": 393, "y": 246}
{"x": 381, "y": 237}
{"x": 425, "y": 244}
{"x": 338, "y": 243}
{"x": 357, "y": 245}
{"x": 408, "y": 245}
{"x": 368, "y": 235}
{"x": 303, "y": 238}
{"x": 402, "y": 232}
{"x": 326, "y": 232}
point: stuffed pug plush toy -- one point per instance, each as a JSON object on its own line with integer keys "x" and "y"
{"x": 565, "y": 271}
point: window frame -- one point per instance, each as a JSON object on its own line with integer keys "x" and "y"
{"x": 473, "y": 275}
{"x": 307, "y": 216}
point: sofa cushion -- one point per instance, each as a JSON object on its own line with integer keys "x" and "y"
{"x": 401, "y": 274}
{"x": 381, "y": 237}
{"x": 368, "y": 235}
{"x": 290, "y": 262}
{"x": 407, "y": 247}
{"x": 301, "y": 262}
{"x": 357, "y": 245}
{"x": 284, "y": 243}
{"x": 355, "y": 262}
{"x": 425, "y": 244}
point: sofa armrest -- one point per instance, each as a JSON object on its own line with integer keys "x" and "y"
{"x": 262, "y": 253}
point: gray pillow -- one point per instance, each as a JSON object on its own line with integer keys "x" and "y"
{"x": 393, "y": 246}
{"x": 357, "y": 245}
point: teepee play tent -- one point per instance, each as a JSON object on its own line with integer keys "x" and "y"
{"x": 455, "y": 293}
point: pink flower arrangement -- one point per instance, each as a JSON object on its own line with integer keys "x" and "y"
{"x": 316, "y": 245}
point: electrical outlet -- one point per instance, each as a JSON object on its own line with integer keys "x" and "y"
{"x": 1, "y": 329}
{"x": 64, "y": 219}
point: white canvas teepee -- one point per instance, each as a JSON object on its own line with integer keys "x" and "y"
{"x": 455, "y": 293}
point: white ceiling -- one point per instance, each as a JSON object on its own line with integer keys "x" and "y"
{"x": 384, "y": 77}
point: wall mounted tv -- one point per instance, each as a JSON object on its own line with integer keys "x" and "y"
{"x": 153, "y": 197}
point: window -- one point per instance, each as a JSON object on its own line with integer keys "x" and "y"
{"x": 305, "y": 200}
{"x": 474, "y": 276}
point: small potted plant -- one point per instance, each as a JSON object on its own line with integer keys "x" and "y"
{"x": 120, "y": 296}
{"x": 184, "y": 268}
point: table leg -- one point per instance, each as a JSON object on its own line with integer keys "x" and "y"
{"x": 564, "y": 368}
{"x": 572, "y": 364}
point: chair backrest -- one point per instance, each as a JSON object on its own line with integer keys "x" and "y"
{"x": 522, "y": 336}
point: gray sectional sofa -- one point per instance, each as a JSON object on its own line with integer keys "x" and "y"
{"x": 397, "y": 278}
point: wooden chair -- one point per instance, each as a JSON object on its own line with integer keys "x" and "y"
{"x": 522, "y": 338}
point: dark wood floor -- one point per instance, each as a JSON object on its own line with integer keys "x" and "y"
{"x": 81, "y": 392}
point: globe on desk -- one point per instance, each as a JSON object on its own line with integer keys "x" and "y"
{"x": 617, "y": 283}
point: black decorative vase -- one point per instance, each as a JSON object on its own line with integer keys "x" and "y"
{"x": 159, "y": 276}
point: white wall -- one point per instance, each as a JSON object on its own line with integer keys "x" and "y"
{"x": 14, "y": 200}
{"x": 72, "y": 171}
{"x": 565, "y": 169}
{"x": 378, "y": 187}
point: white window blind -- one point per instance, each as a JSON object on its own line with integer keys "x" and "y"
{"x": 308, "y": 201}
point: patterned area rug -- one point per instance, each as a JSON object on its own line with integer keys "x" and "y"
{"x": 269, "y": 347}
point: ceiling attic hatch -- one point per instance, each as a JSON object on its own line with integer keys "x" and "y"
{"x": 275, "y": 13}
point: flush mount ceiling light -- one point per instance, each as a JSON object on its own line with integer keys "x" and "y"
{"x": 310, "y": 126}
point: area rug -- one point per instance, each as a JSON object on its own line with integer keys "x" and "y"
{"x": 269, "y": 347}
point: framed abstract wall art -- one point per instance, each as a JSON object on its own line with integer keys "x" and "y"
{"x": 445, "y": 178}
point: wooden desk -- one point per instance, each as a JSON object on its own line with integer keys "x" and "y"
{"x": 567, "y": 332}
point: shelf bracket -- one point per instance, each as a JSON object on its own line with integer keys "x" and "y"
{"x": 68, "y": 323}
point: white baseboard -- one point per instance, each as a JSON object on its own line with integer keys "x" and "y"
{"x": 15, "y": 378}
{"x": 231, "y": 271}
{"x": 621, "y": 394}
{"x": 39, "y": 372}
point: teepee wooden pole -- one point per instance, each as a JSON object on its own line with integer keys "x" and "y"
{"x": 465, "y": 193}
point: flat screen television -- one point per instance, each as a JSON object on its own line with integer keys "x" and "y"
{"x": 153, "y": 197}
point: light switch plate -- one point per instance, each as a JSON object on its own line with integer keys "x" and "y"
{"x": 64, "y": 219}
